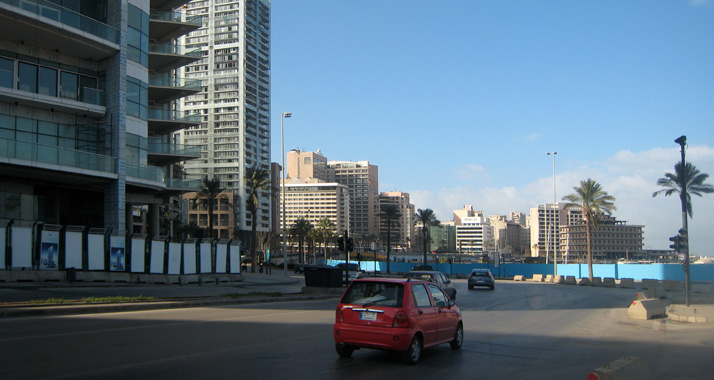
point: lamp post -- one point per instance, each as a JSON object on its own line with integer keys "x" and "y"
{"x": 682, "y": 141}
{"x": 555, "y": 203}
{"x": 282, "y": 190}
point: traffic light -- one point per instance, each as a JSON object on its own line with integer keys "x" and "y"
{"x": 675, "y": 243}
{"x": 683, "y": 240}
{"x": 350, "y": 244}
{"x": 341, "y": 243}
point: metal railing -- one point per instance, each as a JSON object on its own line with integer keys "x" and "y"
{"x": 67, "y": 17}
{"x": 56, "y": 156}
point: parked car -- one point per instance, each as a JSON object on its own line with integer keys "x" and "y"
{"x": 481, "y": 277}
{"x": 423, "y": 267}
{"x": 436, "y": 277}
{"x": 352, "y": 270}
{"x": 400, "y": 314}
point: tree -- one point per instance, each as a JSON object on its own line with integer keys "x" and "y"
{"x": 325, "y": 229}
{"x": 593, "y": 201}
{"x": 210, "y": 191}
{"x": 312, "y": 237}
{"x": 426, "y": 218}
{"x": 300, "y": 230}
{"x": 390, "y": 214}
{"x": 257, "y": 180}
{"x": 673, "y": 183}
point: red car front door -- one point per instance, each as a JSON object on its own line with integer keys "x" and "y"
{"x": 427, "y": 314}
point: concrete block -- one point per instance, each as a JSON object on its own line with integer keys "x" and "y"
{"x": 648, "y": 283}
{"x": 608, "y": 282}
{"x": 157, "y": 279}
{"x": 702, "y": 288}
{"x": 548, "y": 278}
{"x": 597, "y": 281}
{"x": 189, "y": 279}
{"x": 559, "y": 279}
{"x": 4, "y": 276}
{"x": 673, "y": 285}
{"x": 570, "y": 280}
{"x": 641, "y": 296}
{"x": 24, "y": 275}
{"x": 519, "y": 278}
{"x": 655, "y": 292}
{"x": 52, "y": 275}
{"x": 627, "y": 283}
{"x": 584, "y": 282}
{"x": 537, "y": 278}
{"x": 646, "y": 309}
{"x": 629, "y": 367}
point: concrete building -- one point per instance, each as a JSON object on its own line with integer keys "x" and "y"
{"x": 362, "y": 180}
{"x": 443, "y": 237}
{"x": 223, "y": 213}
{"x": 545, "y": 222}
{"x": 474, "y": 236}
{"x": 612, "y": 240}
{"x": 87, "y": 110}
{"x": 316, "y": 201}
{"x": 306, "y": 165}
{"x": 403, "y": 229}
{"x": 234, "y": 101}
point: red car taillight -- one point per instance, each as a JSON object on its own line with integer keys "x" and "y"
{"x": 339, "y": 316}
{"x": 400, "y": 320}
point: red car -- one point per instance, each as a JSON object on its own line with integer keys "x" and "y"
{"x": 399, "y": 314}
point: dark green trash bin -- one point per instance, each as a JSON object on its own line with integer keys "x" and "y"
{"x": 323, "y": 276}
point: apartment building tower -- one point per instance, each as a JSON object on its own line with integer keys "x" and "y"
{"x": 545, "y": 222}
{"x": 234, "y": 102}
{"x": 402, "y": 232}
{"x": 362, "y": 180}
{"x": 87, "y": 110}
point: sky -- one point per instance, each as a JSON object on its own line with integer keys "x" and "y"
{"x": 458, "y": 101}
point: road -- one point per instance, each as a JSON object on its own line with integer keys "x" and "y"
{"x": 519, "y": 330}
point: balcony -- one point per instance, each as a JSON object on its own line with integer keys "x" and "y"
{"x": 164, "y": 88}
{"x": 164, "y": 57}
{"x": 183, "y": 185}
{"x": 166, "y": 26}
{"x": 144, "y": 175}
{"x": 162, "y": 154}
{"x": 49, "y": 26}
{"x": 163, "y": 122}
{"x": 54, "y": 164}
{"x": 167, "y": 5}
{"x": 89, "y": 101}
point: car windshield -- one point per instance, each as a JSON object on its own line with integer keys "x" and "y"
{"x": 374, "y": 293}
{"x": 480, "y": 274}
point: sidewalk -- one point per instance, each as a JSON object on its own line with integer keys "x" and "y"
{"x": 15, "y": 297}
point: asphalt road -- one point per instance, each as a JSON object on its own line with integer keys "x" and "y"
{"x": 519, "y": 330}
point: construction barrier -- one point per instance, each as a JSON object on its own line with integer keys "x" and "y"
{"x": 608, "y": 282}
{"x": 537, "y": 278}
{"x": 559, "y": 279}
{"x": 627, "y": 283}
{"x": 548, "y": 278}
{"x": 646, "y": 309}
{"x": 597, "y": 281}
{"x": 629, "y": 367}
{"x": 584, "y": 282}
{"x": 570, "y": 280}
{"x": 673, "y": 285}
{"x": 648, "y": 283}
{"x": 519, "y": 277}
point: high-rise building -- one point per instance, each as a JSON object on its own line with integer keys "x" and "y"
{"x": 234, "y": 102}
{"x": 306, "y": 165}
{"x": 545, "y": 221}
{"x": 402, "y": 232}
{"x": 362, "y": 179}
{"x": 474, "y": 235}
{"x": 316, "y": 201}
{"x": 611, "y": 240}
{"x": 86, "y": 115}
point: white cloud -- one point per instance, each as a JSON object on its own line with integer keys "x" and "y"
{"x": 697, "y": 3}
{"x": 631, "y": 177}
{"x": 471, "y": 172}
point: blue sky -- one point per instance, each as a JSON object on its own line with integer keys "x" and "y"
{"x": 458, "y": 101}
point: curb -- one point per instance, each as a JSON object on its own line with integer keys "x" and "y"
{"x": 47, "y": 310}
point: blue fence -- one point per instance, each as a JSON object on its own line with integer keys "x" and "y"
{"x": 617, "y": 271}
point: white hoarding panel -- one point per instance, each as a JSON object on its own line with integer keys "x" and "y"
{"x": 205, "y": 249}
{"x": 221, "y": 254}
{"x": 95, "y": 252}
{"x": 157, "y": 257}
{"x": 21, "y": 247}
{"x": 117, "y": 256}
{"x": 189, "y": 258}
{"x": 174, "y": 258}
{"x": 137, "y": 255}
{"x": 73, "y": 250}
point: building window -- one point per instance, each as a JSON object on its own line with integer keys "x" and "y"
{"x": 137, "y": 94}
{"x": 27, "y": 77}
{"x": 7, "y": 73}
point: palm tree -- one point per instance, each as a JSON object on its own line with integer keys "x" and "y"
{"x": 593, "y": 201}
{"x": 390, "y": 214}
{"x": 257, "y": 180}
{"x": 312, "y": 237}
{"x": 325, "y": 228}
{"x": 426, "y": 218}
{"x": 300, "y": 230}
{"x": 211, "y": 190}
{"x": 674, "y": 183}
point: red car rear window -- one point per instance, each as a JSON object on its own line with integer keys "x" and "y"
{"x": 374, "y": 293}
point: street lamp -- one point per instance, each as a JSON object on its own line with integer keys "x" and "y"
{"x": 682, "y": 141}
{"x": 282, "y": 190}
{"x": 555, "y": 202}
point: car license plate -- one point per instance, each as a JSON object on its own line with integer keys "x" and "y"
{"x": 368, "y": 316}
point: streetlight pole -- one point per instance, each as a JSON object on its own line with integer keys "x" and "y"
{"x": 555, "y": 203}
{"x": 682, "y": 141}
{"x": 282, "y": 190}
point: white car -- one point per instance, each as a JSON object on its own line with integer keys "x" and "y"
{"x": 352, "y": 270}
